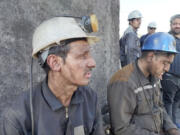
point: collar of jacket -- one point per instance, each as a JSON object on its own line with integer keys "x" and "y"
{"x": 53, "y": 102}
{"x": 141, "y": 77}
{"x": 135, "y": 30}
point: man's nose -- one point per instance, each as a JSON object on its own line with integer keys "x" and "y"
{"x": 91, "y": 63}
{"x": 167, "y": 67}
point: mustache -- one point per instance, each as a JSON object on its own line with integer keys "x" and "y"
{"x": 88, "y": 70}
{"x": 177, "y": 27}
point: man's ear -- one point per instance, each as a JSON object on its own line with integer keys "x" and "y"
{"x": 54, "y": 62}
{"x": 130, "y": 22}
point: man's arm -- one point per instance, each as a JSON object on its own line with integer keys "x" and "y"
{"x": 168, "y": 125}
{"x": 167, "y": 122}
{"x": 122, "y": 104}
{"x": 142, "y": 40}
{"x": 98, "y": 125}
{"x": 9, "y": 127}
{"x": 132, "y": 49}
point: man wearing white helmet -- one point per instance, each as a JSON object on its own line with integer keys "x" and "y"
{"x": 151, "y": 28}
{"x": 171, "y": 79}
{"x": 129, "y": 42}
{"x": 62, "y": 103}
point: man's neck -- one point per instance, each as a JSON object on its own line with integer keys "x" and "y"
{"x": 177, "y": 35}
{"x": 174, "y": 34}
{"x": 61, "y": 88}
{"x": 143, "y": 67}
{"x": 134, "y": 29}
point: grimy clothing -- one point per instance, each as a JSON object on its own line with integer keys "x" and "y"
{"x": 142, "y": 39}
{"x": 135, "y": 103}
{"x": 171, "y": 96}
{"x": 82, "y": 117}
{"x": 175, "y": 66}
{"x": 130, "y": 48}
{"x": 171, "y": 86}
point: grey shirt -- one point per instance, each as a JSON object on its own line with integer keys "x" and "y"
{"x": 133, "y": 99}
{"x": 82, "y": 117}
{"x": 131, "y": 44}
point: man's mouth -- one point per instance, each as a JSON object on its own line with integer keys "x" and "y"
{"x": 160, "y": 76}
{"x": 177, "y": 29}
{"x": 88, "y": 74}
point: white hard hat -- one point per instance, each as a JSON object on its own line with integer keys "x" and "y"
{"x": 152, "y": 25}
{"x": 55, "y": 30}
{"x": 134, "y": 14}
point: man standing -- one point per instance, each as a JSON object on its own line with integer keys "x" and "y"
{"x": 62, "y": 103}
{"x": 151, "y": 29}
{"x": 134, "y": 91}
{"x": 129, "y": 42}
{"x": 171, "y": 79}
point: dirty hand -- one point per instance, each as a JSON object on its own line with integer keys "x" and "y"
{"x": 174, "y": 131}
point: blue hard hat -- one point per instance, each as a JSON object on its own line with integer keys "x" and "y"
{"x": 160, "y": 41}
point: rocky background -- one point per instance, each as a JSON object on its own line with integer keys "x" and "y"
{"x": 19, "y": 18}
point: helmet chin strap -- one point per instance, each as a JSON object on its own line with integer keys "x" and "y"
{"x": 30, "y": 98}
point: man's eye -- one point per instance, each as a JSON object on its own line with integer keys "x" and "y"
{"x": 86, "y": 55}
{"x": 166, "y": 63}
{"x": 83, "y": 56}
{"x": 176, "y": 23}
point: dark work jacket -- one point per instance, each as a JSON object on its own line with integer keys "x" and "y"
{"x": 135, "y": 103}
{"x": 175, "y": 66}
{"x": 142, "y": 39}
{"x": 50, "y": 117}
{"x": 129, "y": 46}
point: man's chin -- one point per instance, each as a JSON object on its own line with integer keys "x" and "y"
{"x": 176, "y": 32}
{"x": 160, "y": 76}
{"x": 84, "y": 83}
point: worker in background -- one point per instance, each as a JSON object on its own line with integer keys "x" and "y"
{"x": 129, "y": 42}
{"x": 171, "y": 79}
{"x": 134, "y": 96}
{"x": 151, "y": 28}
{"x": 62, "y": 103}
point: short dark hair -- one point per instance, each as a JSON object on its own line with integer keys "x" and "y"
{"x": 174, "y": 17}
{"x": 151, "y": 27}
{"x": 157, "y": 53}
{"x": 61, "y": 50}
{"x": 131, "y": 20}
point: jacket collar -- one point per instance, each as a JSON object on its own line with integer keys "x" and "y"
{"x": 142, "y": 78}
{"x": 53, "y": 102}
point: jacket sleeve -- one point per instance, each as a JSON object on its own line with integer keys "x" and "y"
{"x": 167, "y": 122}
{"x": 132, "y": 47}
{"x": 98, "y": 124}
{"x": 122, "y": 104}
{"x": 9, "y": 126}
{"x": 141, "y": 41}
